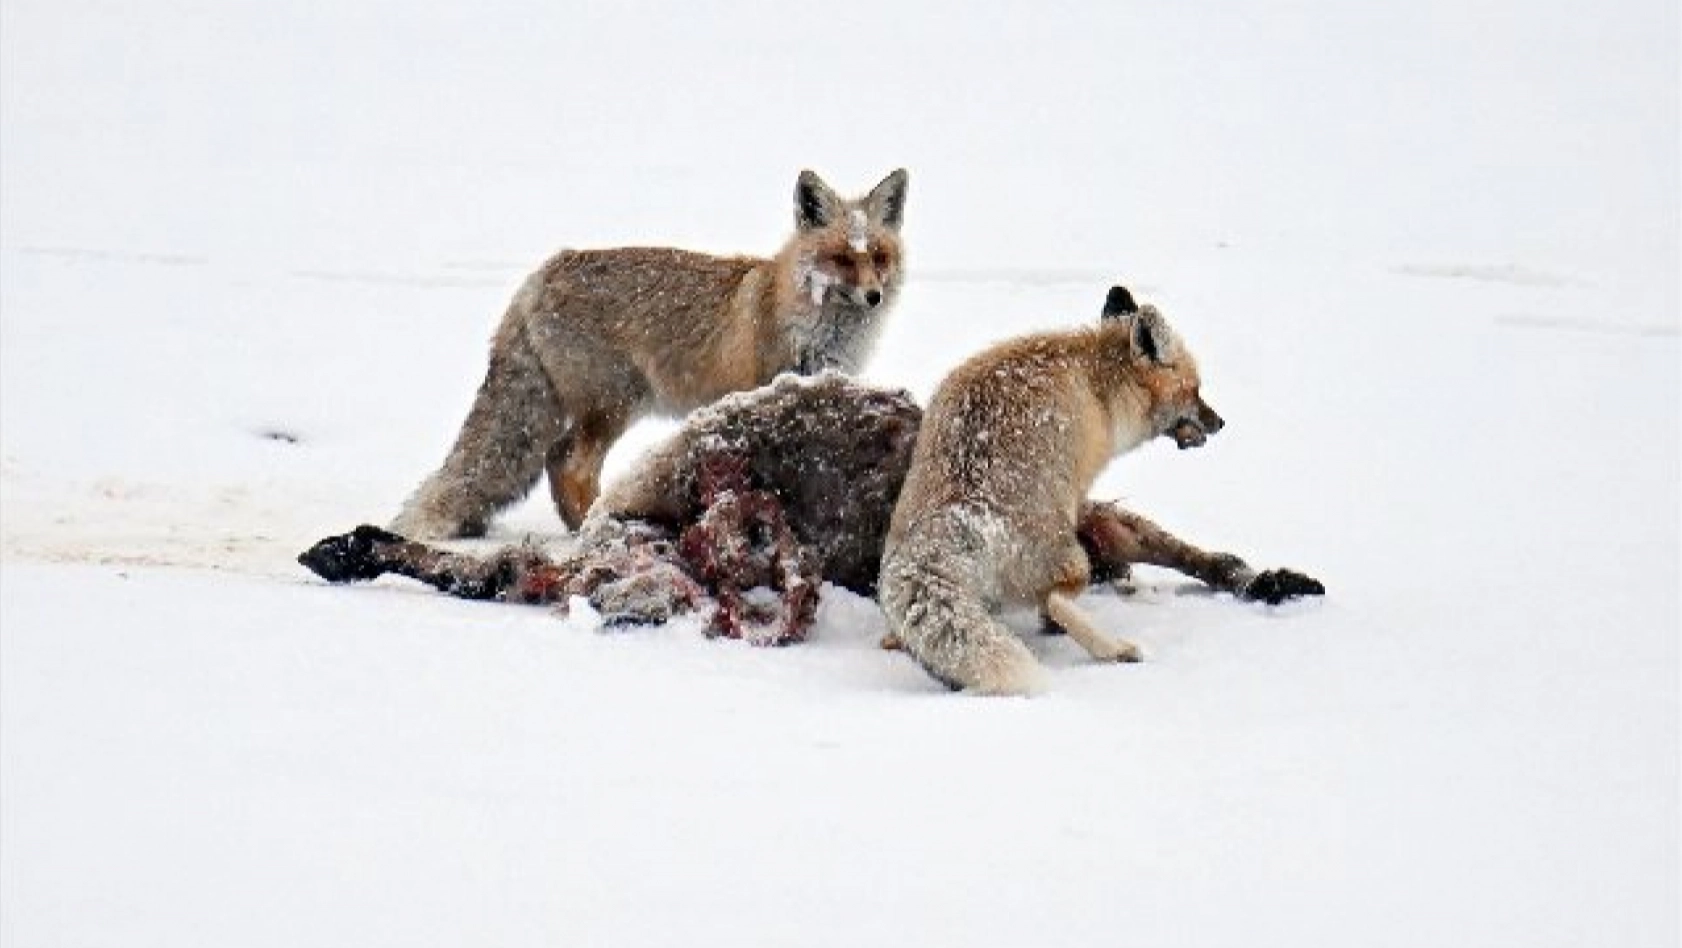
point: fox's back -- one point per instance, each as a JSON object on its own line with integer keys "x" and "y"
{"x": 626, "y": 292}
{"x": 689, "y": 324}
{"x": 1003, "y": 433}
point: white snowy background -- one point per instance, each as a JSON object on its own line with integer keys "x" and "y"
{"x": 1427, "y": 253}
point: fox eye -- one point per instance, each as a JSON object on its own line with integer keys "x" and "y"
{"x": 880, "y": 259}
{"x": 840, "y": 261}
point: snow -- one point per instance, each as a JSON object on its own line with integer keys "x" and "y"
{"x": 816, "y": 280}
{"x": 858, "y": 231}
{"x": 1425, "y": 255}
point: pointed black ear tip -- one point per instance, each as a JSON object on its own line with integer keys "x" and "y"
{"x": 1119, "y": 303}
{"x": 811, "y": 200}
{"x": 893, "y": 187}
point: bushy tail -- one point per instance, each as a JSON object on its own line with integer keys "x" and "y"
{"x": 931, "y": 592}
{"x": 516, "y": 418}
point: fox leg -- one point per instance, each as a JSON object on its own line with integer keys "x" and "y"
{"x": 1058, "y": 609}
{"x": 575, "y": 461}
{"x": 1115, "y": 538}
{"x": 1061, "y": 609}
{"x": 496, "y": 458}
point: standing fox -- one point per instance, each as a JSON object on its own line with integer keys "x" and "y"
{"x": 596, "y": 339}
{"x": 1010, "y": 445}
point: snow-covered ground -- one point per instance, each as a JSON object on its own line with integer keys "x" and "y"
{"x": 250, "y": 255}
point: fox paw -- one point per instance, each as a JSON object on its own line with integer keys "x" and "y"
{"x": 1118, "y": 650}
{"x": 1274, "y": 586}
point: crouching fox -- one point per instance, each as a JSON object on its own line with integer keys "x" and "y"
{"x": 596, "y": 339}
{"x": 1009, "y": 447}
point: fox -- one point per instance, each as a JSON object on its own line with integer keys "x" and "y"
{"x": 596, "y": 339}
{"x": 1010, "y": 445}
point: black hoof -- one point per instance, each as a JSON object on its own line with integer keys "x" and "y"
{"x": 348, "y": 558}
{"x": 1274, "y": 586}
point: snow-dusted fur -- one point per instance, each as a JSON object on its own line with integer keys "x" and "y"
{"x": 833, "y": 450}
{"x": 1010, "y": 446}
{"x": 596, "y": 339}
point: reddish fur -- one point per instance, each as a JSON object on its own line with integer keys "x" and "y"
{"x": 596, "y": 339}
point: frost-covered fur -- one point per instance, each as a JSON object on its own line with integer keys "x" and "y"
{"x": 1010, "y": 446}
{"x": 832, "y": 450}
{"x": 596, "y": 339}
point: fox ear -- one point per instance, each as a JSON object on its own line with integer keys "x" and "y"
{"x": 1151, "y": 335}
{"x": 815, "y": 205}
{"x": 1119, "y": 303}
{"x": 886, "y": 202}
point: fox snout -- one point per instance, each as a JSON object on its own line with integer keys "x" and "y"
{"x": 1192, "y": 432}
{"x": 1206, "y": 417}
{"x": 864, "y": 294}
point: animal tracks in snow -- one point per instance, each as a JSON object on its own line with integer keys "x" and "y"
{"x": 375, "y": 278}
{"x": 95, "y": 255}
{"x": 1577, "y": 324}
{"x": 1510, "y": 273}
{"x": 449, "y": 275}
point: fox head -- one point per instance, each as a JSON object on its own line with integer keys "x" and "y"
{"x": 1163, "y": 370}
{"x": 850, "y": 251}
